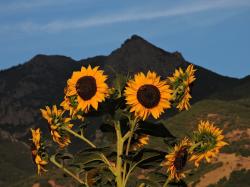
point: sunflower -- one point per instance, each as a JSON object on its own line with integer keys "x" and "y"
{"x": 147, "y": 95}
{"x": 89, "y": 86}
{"x": 180, "y": 82}
{"x": 38, "y": 151}
{"x": 57, "y": 122}
{"x": 36, "y": 137}
{"x": 60, "y": 136}
{"x": 92, "y": 177}
{"x": 140, "y": 141}
{"x": 207, "y": 142}
{"x": 52, "y": 115}
{"x": 70, "y": 104}
{"x": 177, "y": 159}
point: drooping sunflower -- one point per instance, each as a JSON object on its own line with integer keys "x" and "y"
{"x": 147, "y": 95}
{"x": 38, "y": 151}
{"x": 176, "y": 160}
{"x": 57, "y": 123}
{"x": 70, "y": 104}
{"x": 140, "y": 141}
{"x": 180, "y": 83}
{"x": 89, "y": 86}
{"x": 36, "y": 137}
{"x": 40, "y": 164}
{"x": 207, "y": 142}
{"x": 60, "y": 136}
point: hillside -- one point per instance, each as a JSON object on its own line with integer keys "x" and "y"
{"x": 26, "y": 88}
{"x": 233, "y": 117}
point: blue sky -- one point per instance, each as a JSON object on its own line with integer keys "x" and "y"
{"x": 214, "y": 34}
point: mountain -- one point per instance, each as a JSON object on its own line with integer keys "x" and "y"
{"x": 40, "y": 81}
{"x": 26, "y": 88}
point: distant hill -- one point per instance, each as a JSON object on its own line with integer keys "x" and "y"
{"x": 25, "y": 88}
{"x": 239, "y": 91}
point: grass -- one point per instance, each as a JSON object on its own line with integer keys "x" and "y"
{"x": 237, "y": 178}
{"x": 15, "y": 162}
{"x": 226, "y": 115}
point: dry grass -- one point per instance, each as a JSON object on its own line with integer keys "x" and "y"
{"x": 231, "y": 162}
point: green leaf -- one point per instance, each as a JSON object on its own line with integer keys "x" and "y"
{"x": 154, "y": 129}
{"x": 148, "y": 154}
{"x": 180, "y": 183}
{"x": 157, "y": 177}
{"x": 86, "y": 158}
{"x": 148, "y": 183}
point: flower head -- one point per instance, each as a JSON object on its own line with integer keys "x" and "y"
{"x": 89, "y": 86}
{"x": 140, "y": 141}
{"x": 39, "y": 154}
{"x": 180, "y": 82}
{"x": 36, "y": 137}
{"x": 57, "y": 123}
{"x": 207, "y": 142}
{"x": 176, "y": 160}
{"x": 147, "y": 95}
{"x": 70, "y": 104}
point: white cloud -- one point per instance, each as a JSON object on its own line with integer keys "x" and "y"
{"x": 23, "y": 5}
{"x": 61, "y": 25}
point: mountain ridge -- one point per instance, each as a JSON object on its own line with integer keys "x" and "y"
{"x": 26, "y": 88}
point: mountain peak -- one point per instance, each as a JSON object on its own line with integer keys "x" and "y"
{"x": 136, "y": 41}
{"x": 135, "y": 38}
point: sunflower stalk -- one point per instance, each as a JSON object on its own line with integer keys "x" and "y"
{"x": 53, "y": 160}
{"x": 167, "y": 182}
{"x": 119, "y": 148}
{"x": 131, "y": 170}
{"x": 79, "y": 136}
{"x": 192, "y": 148}
{"x": 103, "y": 157}
{"x": 133, "y": 126}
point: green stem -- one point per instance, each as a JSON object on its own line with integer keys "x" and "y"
{"x": 132, "y": 168}
{"x": 120, "y": 142}
{"x": 53, "y": 160}
{"x": 132, "y": 130}
{"x": 194, "y": 146}
{"x": 79, "y": 136}
{"x": 126, "y": 136}
{"x": 166, "y": 182}
{"x": 86, "y": 179}
{"x": 104, "y": 158}
{"x": 125, "y": 163}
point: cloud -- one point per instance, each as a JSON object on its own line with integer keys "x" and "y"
{"x": 23, "y": 5}
{"x": 130, "y": 16}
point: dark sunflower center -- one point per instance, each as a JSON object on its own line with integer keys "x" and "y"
{"x": 86, "y": 87}
{"x": 148, "y": 95}
{"x": 181, "y": 159}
